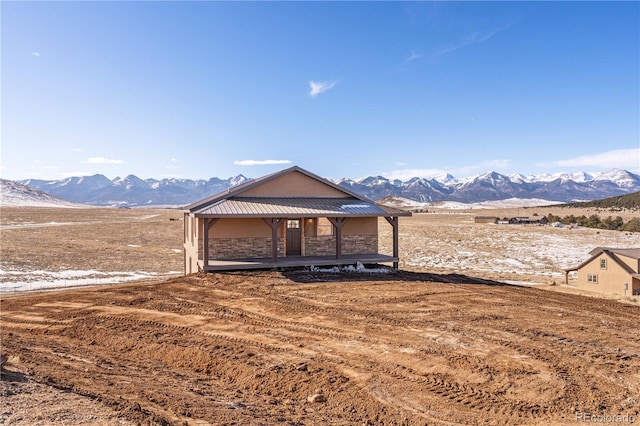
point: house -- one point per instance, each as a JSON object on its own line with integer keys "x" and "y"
{"x": 485, "y": 219}
{"x": 286, "y": 219}
{"x": 609, "y": 270}
{"x": 534, "y": 220}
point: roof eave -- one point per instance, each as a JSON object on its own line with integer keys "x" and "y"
{"x": 291, "y": 215}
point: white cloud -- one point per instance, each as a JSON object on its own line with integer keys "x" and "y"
{"x": 50, "y": 167}
{"x": 470, "y": 39}
{"x": 103, "y": 160}
{"x": 618, "y": 158}
{"x": 259, "y": 162}
{"x": 77, "y": 150}
{"x": 412, "y": 57}
{"x": 173, "y": 164}
{"x": 36, "y": 54}
{"x": 318, "y": 87}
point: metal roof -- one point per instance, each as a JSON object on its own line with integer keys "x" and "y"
{"x": 296, "y": 207}
{"x": 239, "y": 189}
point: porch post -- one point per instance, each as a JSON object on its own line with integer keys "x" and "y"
{"x": 274, "y": 223}
{"x": 338, "y": 223}
{"x": 205, "y": 242}
{"x": 206, "y": 225}
{"x": 393, "y": 221}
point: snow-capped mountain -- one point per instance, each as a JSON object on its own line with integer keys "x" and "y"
{"x": 14, "y": 194}
{"x": 132, "y": 191}
{"x": 575, "y": 177}
{"x": 490, "y": 186}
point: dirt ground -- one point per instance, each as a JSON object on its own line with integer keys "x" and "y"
{"x": 297, "y": 348}
{"x": 442, "y": 342}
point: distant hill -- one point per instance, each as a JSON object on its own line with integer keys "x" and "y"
{"x": 14, "y": 194}
{"x": 628, "y": 202}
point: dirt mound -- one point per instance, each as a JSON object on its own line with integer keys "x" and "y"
{"x": 269, "y": 348}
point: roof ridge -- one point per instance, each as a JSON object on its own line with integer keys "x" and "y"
{"x": 239, "y": 189}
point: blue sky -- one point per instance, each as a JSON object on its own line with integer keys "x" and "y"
{"x": 400, "y": 89}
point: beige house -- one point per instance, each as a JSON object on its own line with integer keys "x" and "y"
{"x": 610, "y": 270}
{"x": 286, "y": 219}
{"x": 485, "y": 219}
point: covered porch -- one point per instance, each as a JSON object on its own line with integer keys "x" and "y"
{"x": 285, "y": 245}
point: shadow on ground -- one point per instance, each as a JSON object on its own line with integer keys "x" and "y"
{"x": 304, "y": 275}
{"x": 12, "y": 376}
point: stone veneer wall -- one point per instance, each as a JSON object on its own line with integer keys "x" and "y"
{"x": 256, "y": 247}
{"x": 351, "y": 244}
{"x": 241, "y": 248}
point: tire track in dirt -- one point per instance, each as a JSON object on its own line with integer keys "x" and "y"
{"x": 244, "y": 349}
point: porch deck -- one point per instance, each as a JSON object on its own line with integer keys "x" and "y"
{"x": 295, "y": 261}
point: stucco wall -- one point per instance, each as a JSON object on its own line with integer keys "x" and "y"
{"x": 241, "y": 228}
{"x": 294, "y": 185}
{"x": 631, "y": 262}
{"x": 360, "y": 226}
{"x": 610, "y": 280}
{"x": 191, "y": 250}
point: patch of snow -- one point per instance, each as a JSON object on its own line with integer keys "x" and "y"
{"x": 450, "y": 205}
{"x": 133, "y": 245}
{"x": 514, "y": 202}
{"x": 521, "y": 283}
{"x": 537, "y": 251}
{"x": 12, "y": 280}
{"x": 497, "y": 204}
{"x": 42, "y": 225}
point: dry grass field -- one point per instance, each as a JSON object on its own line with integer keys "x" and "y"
{"x": 64, "y": 246}
{"x": 442, "y": 342}
{"x": 453, "y": 243}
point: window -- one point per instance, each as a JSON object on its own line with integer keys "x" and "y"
{"x": 603, "y": 263}
{"x": 592, "y": 278}
{"x": 324, "y": 226}
{"x": 293, "y": 224}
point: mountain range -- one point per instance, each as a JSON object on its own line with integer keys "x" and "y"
{"x": 561, "y": 187}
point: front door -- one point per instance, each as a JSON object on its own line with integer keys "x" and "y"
{"x": 294, "y": 237}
